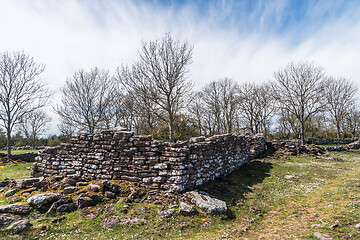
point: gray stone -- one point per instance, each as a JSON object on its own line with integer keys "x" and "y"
{"x": 166, "y": 213}
{"x": 357, "y": 227}
{"x": 69, "y": 190}
{"x": 110, "y": 207}
{"x": 69, "y": 207}
{"x": 131, "y": 220}
{"x": 19, "y": 226}
{"x": 109, "y": 222}
{"x": 10, "y": 192}
{"x": 187, "y": 209}
{"x": 111, "y": 186}
{"x": 85, "y": 202}
{"x": 91, "y": 212}
{"x": 288, "y": 177}
{"x": 6, "y": 220}
{"x": 43, "y": 199}
{"x": 61, "y": 201}
{"x": 206, "y": 202}
{"x": 16, "y": 208}
{"x": 323, "y": 236}
{"x": 95, "y": 187}
{"x": 26, "y": 182}
{"x": 110, "y": 195}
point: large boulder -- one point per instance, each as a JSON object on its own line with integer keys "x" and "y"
{"x": 206, "y": 202}
{"x": 16, "y": 208}
{"x": 44, "y": 199}
{"x": 19, "y": 226}
{"x": 187, "y": 209}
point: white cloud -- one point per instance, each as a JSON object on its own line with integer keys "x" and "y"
{"x": 69, "y": 35}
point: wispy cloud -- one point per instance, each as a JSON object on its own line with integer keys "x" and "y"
{"x": 245, "y": 40}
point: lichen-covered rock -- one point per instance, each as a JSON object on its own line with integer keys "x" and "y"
{"x": 26, "y": 182}
{"x": 16, "y": 208}
{"x": 131, "y": 220}
{"x": 109, "y": 222}
{"x": 95, "y": 187}
{"x": 85, "y": 202}
{"x": 111, "y": 186}
{"x": 43, "y": 199}
{"x": 19, "y": 226}
{"x": 10, "y": 192}
{"x": 61, "y": 201}
{"x": 166, "y": 213}
{"x": 187, "y": 209}
{"x": 69, "y": 190}
{"x": 206, "y": 202}
{"x": 69, "y": 207}
{"x": 6, "y": 220}
{"x": 91, "y": 212}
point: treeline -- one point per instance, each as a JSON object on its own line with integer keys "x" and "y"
{"x": 155, "y": 96}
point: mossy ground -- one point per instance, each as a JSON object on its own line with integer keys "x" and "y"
{"x": 262, "y": 203}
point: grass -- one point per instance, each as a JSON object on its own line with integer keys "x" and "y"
{"x": 262, "y": 203}
{"x": 15, "y": 170}
{"x": 14, "y": 152}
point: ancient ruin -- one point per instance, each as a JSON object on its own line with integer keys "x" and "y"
{"x": 114, "y": 154}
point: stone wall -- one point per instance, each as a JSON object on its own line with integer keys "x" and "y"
{"x": 114, "y": 154}
{"x": 326, "y": 141}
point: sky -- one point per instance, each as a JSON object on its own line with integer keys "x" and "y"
{"x": 246, "y": 40}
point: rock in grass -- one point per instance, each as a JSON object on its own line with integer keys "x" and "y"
{"x": 357, "y": 227}
{"x": 26, "y": 182}
{"x": 131, "y": 220}
{"x": 206, "y": 202}
{"x": 16, "y": 208}
{"x": 69, "y": 207}
{"x": 288, "y": 177}
{"x": 323, "y": 236}
{"x": 111, "y": 186}
{"x": 19, "y": 226}
{"x": 10, "y": 192}
{"x": 6, "y": 220}
{"x": 109, "y": 222}
{"x": 70, "y": 189}
{"x": 43, "y": 199}
{"x": 91, "y": 212}
{"x": 187, "y": 209}
{"x": 61, "y": 201}
{"x": 166, "y": 213}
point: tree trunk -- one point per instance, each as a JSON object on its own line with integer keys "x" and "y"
{"x": 171, "y": 127}
{"x": 8, "y": 143}
{"x": 302, "y": 135}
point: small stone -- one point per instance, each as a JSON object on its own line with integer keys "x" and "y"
{"x": 85, "y": 202}
{"x": 131, "y": 220}
{"x": 19, "y": 226}
{"x": 81, "y": 184}
{"x": 110, "y": 207}
{"x": 357, "y": 227}
{"x": 334, "y": 226}
{"x": 288, "y": 177}
{"x": 323, "y": 236}
{"x": 90, "y": 212}
{"x": 111, "y": 186}
{"x": 69, "y": 190}
{"x": 317, "y": 225}
{"x": 166, "y": 213}
{"x": 69, "y": 207}
{"x": 10, "y": 192}
{"x": 187, "y": 209}
{"x": 110, "y": 195}
{"x": 109, "y": 222}
{"x": 95, "y": 187}
{"x": 124, "y": 209}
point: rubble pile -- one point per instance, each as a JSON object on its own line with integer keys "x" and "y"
{"x": 293, "y": 148}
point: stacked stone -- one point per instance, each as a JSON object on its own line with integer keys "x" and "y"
{"x": 114, "y": 154}
{"x": 257, "y": 145}
{"x": 328, "y": 141}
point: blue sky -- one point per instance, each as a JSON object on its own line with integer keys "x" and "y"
{"x": 244, "y": 40}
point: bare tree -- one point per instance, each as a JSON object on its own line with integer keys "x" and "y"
{"x": 34, "y": 124}
{"x": 21, "y": 91}
{"x": 162, "y": 76}
{"x": 67, "y": 129}
{"x": 86, "y": 100}
{"x": 256, "y": 106}
{"x": 299, "y": 89}
{"x": 340, "y": 95}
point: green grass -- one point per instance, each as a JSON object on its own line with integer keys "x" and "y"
{"x": 15, "y": 170}
{"x": 262, "y": 205}
{"x": 14, "y": 152}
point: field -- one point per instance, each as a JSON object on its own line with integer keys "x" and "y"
{"x": 272, "y": 198}
{"x": 14, "y": 152}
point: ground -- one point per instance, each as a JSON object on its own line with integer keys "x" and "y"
{"x": 271, "y": 198}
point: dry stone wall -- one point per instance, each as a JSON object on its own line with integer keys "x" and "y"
{"x": 114, "y": 154}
